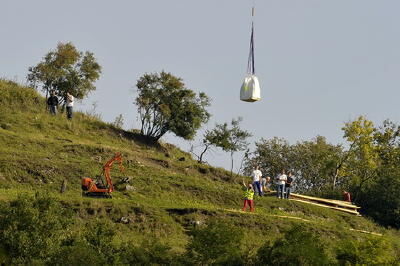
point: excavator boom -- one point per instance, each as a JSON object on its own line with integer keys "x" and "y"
{"x": 107, "y": 169}
{"x": 89, "y": 186}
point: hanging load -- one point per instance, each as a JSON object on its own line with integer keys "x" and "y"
{"x": 250, "y": 91}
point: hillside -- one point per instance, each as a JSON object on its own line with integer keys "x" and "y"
{"x": 172, "y": 193}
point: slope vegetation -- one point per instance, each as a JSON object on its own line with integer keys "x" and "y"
{"x": 169, "y": 195}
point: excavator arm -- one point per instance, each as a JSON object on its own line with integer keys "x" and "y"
{"x": 107, "y": 169}
{"x": 93, "y": 189}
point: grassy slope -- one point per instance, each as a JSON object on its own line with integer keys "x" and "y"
{"x": 38, "y": 151}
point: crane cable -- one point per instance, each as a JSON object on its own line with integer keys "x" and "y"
{"x": 250, "y": 63}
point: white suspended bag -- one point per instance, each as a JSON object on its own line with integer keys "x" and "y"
{"x": 250, "y": 91}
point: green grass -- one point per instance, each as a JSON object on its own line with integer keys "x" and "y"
{"x": 38, "y": 151}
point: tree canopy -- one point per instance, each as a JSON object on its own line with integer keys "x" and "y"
{"x": 66, "y": 69}
{"x": 313, "y": 162}
{"x": 229, "y": 139}
{"x": 368, "y": 166}
{"x": 166, "y": 105}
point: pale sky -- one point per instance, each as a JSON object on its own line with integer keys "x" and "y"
{"x": 320, "y": 62}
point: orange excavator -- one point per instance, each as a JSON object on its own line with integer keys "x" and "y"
{"x": 96, "y": 188}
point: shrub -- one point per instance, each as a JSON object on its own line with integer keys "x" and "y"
{"x": 32, "y": 228}
{"x": 373, "y": 251}
{"x": 217, "y": 243}
{"x": 80, "y": 253}
{"x": 297, "y": 247}
{"x": 149, "y": 253}
{"x": 99, "y": 236}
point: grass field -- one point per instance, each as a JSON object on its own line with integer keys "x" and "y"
{"x": 172, "y": 192}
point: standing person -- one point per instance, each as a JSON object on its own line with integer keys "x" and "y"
{"x": 70, "y": 104}
{"x": 256, "y": 180}
{"x": 52, "y": 103}
{"x": 248, "y": 197}
{"x": 288, "y": 185}
{"x": 281, "y": 180}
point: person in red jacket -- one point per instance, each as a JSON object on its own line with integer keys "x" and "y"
{"x": 346, "y": 196}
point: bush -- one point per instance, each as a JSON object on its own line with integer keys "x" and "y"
{"x": 371, "y": 252}
{"x": 32, "y": 228}
{"x": 149, "y": 253}
{"x": 99, "y": 235}
{"x": 297, "y": 247}
{"x": 80, "y": 253}
{"x": 217, "y": 243}
{"x": 36, "y": 230}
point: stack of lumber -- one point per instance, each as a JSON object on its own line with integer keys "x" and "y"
{"x": 339, "y": 205}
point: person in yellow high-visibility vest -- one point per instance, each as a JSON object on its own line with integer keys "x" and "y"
{"x": 248, "y": 196}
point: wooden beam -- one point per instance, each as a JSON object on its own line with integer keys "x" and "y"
{"x": 327, "y": 206}
{"x": 338, "y": 203}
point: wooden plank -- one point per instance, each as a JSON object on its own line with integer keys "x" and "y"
{"x": 335, "y": 202}
{"x": 290, "y": 217}
{"x": 366, "y": 232}
{"x": 327, "y": 206}
{"x": 324, "y": 203}
{"x": 341, "y": 203}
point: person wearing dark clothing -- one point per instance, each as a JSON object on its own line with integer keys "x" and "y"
{"x": 288, "y": 185}
{"x": 52, "y": 103}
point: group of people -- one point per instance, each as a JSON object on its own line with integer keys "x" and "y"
{"x": 284, "y": 185}
{"x": 53, "y": 102}
{"x": 261, "y": 184}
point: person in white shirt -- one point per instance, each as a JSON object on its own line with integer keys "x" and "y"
{"x": 256, "y": 180}
{"x": 70, "y": 104}
{"x": 281, "y": 181}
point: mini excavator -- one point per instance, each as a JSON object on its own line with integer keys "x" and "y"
{"x": 96, "y": 188}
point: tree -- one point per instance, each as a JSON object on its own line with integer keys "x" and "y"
{"x": 218, "y": 137}
{"x": 228, "y": 139}
{"x": 315, "y": 162}
{"x": 363, "y": 158}
{"x": 373, "y": 168}
{"x": 312, "y": 162}
{"x": 165, "y": 104}
{"x": 119, "y": 121}
{"x": 66, "y": 70}
{"x": 271, "y": 155}
{"x": 380, "y": 196}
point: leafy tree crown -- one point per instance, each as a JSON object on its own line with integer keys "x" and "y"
{"x": 166, "y": 105}
{"x": 66, "y": 69}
